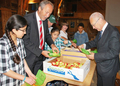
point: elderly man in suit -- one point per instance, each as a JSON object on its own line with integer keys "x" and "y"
{"x": 108, "y": 46}
{"x": 37, "y": 34}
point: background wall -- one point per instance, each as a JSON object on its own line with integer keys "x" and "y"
{"x": 113, "y": 12}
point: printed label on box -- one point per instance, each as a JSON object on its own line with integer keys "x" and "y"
{"x": 56, "y": 70}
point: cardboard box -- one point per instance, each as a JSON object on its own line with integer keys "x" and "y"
{"x": 77, "y": 74}
{"x": 73, "y": 54}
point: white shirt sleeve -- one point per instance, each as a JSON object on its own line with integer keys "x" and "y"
{"x": 84, "y": 46}
{"x": 63, "y": 34}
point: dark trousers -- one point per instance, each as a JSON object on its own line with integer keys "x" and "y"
{"x": 106, "y": 80}
{"x": 36, "y": 64}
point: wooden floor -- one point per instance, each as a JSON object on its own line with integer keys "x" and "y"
{"x": 94, "y": 80}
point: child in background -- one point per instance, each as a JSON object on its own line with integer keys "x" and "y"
{"x": 81, "y": 36}
{"x": 13, "y": 66}
{"x": 63, "y": 33}
{"x": 57, "y": 41}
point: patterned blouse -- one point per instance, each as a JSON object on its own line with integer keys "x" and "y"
{"x": 58, "y": 43}
{"x": 6, "y": 62}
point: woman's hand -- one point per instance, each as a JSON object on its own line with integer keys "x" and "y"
{"x": 30, "y": 80}
{"x": 32, "y": 76}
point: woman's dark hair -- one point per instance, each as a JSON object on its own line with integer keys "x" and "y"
{"x": 55, "y": 29}
{"x": 81, "y": 24}
{"x": 14, "y": 22}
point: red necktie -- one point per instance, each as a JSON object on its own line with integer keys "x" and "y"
{"x": 41, "y": 36}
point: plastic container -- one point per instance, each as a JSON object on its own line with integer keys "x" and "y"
{"x": 40, "y": 78}
{"x": 55, "y": 54}
{"x": 87, "y": 52}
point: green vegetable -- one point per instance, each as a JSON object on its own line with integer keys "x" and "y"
{"x": 85, "y": 51}
{"x": 95, "y": 51}
{"x": 74, "y": 40}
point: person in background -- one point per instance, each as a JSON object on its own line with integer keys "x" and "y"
{"x": 57, "y": 41}
{"x": 81, "y": 36}
{"x": 13, "y": 66}
{"x": 37, "y": 35}
{"x": 63, "y": 33}
{"x": 51, "y": 21}
{"x": 108, "y": 47}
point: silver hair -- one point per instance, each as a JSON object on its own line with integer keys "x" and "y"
{"x": 45, "y": 2}
{"x": 96, "y": 15}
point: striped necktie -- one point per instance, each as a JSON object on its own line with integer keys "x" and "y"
{"x": 41, "y": 36}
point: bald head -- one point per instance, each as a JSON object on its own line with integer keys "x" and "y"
{"x": 96, "y": 15}
{"x": 97, "y": 21}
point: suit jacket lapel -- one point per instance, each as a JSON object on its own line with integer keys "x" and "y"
{"x": 45, "y": 27}
{"x": 36, "y": 31}
{"x": 35, "y": 22}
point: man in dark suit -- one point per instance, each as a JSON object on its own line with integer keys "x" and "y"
{"x": 34, "y": 42}
{"x": 108, "y": 46}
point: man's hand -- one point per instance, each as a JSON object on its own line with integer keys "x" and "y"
{"x": 45, "y": 53}
{"x": 54, "y": 48}
{"x": 91, "y": 56}
{"x": 80, "y": 46}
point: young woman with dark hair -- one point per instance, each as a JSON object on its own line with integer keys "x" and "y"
{"x": 13, "y": 67}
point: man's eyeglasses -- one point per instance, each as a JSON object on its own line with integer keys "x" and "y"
{"x": 23, "y": 30}
{"x": 95, "y": 22}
